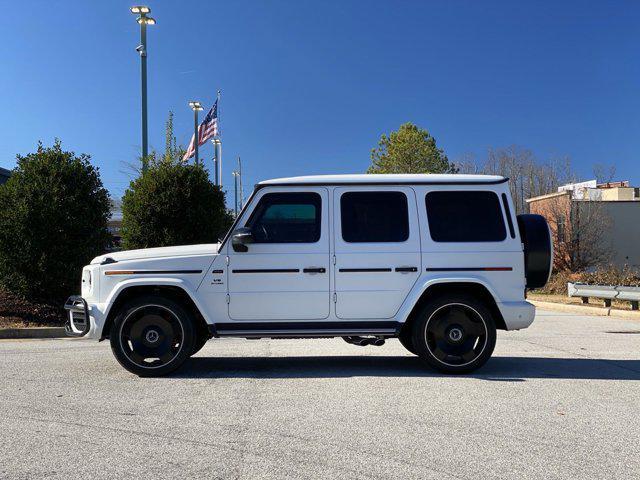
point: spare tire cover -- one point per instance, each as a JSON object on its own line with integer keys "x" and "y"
{"x": 538, "y": 249}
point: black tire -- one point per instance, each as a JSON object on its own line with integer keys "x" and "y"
{"x": 201, "y": 340}
{"x": 406, "y": 340}
{"x": 152, "y": 336}
{"x": 538, "y": 249}
{"x": 454, "y": 334}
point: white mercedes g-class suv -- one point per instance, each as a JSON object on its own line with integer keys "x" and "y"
{"x": 438, "y": 261}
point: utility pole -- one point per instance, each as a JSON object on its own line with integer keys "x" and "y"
{"x": 196, "y": 107}
{"x": 143, "y": 20}
{"x": 235, "y": 191}
{"x": 240, "y": 175}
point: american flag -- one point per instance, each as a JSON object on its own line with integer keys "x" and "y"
{"x": 207, "y": 129}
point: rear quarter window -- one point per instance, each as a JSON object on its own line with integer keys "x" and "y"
{"x": 465, "y": 216}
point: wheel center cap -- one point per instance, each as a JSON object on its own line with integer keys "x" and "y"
{"x": 152, "y": 336}
{"x": 455, "y": 334}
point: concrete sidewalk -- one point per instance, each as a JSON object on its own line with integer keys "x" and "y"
{"x": 32, "y": 332}
{"x": 586, "y": 310}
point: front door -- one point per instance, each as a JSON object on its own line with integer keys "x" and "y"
{"x": 377, "y": 248}
{"x": 284, "y": 275}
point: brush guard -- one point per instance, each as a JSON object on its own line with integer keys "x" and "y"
{"x": 78, "y": 323}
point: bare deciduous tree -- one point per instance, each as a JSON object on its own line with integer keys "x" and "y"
{"x": 577, "y": 227}
{"x": 529, "y": 177}
{"x": 603, "y": 172}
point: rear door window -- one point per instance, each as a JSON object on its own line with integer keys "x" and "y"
{"x": 465, "y": 216}
{"x": 374, "y": 217}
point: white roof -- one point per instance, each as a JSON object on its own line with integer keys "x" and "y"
{"x": 385, "y": 178}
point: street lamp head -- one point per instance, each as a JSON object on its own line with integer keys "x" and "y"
{"x": 146, "y": 20}
{"x": 140, "y": 9}
{"x": 195, "y": 105}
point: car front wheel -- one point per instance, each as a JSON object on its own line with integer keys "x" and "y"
{"x": 455, "y": 334}
{"x": 152, "y": 336}
{"x": 201, "y": 340}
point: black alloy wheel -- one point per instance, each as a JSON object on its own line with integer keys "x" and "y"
{"x": 455, "y": 334}
{"x": 152, "y": 336}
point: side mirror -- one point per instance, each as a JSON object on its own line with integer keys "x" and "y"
{"x": 240, "y": 239}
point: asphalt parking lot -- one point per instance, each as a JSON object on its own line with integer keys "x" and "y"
{"x": 559, "y": 400}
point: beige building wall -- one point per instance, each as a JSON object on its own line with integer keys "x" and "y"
{"x": 624, "y": 233}
{"x": 620, "y": 193}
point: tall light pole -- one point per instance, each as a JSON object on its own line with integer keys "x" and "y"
{"x": 144, "y": 20}
{"x": 196, "y": 107}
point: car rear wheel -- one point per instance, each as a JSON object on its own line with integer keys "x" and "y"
{"x": 454, "y": 334}
{"x": 152, "y": 336}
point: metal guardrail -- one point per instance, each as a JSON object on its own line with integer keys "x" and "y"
{"x": 605, "y": 292}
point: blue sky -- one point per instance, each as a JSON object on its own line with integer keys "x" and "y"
{"x": 308, "y": 87}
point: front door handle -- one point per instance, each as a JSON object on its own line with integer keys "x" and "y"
{"x": 406, "y": 269}
{"x": 314, "y": 270}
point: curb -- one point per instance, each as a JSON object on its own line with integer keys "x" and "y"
{"x": 35, "y": 332}
{"x": 586, "y": 310}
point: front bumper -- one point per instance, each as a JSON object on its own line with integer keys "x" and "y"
{"x": 78, "y": 323}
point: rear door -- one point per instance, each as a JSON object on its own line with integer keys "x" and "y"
{"x": 284, "y": 275}
{"x": 377, "y": 250}
{"x": 469, "y": 231}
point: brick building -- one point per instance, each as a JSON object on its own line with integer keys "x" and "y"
{"x": 609, "y": 213}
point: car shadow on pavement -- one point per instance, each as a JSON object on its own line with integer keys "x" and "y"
{"x": 511, "y": 369}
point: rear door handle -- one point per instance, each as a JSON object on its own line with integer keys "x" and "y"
{"x": 314, "y": 270}
{"x": 406, "y": 269}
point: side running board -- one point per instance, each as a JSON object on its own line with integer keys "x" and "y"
{"x": 303, "y": 329}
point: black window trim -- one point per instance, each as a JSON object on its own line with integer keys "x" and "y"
{"x": 390, "y": 190}
{"x": 507, "y": 212}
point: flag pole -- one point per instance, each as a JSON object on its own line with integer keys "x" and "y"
{"x": 215, "y": 162}
{"x": 219, "y": 158}
{"x": 219, "y": 144}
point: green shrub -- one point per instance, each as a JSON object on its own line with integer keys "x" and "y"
{"x": 173, "y": 204}
{"x": 53, "y": 221}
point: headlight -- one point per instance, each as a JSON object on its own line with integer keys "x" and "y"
{"x": 87, "y": 280}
